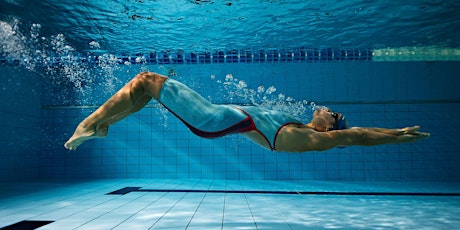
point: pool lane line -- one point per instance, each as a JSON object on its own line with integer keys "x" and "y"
{"x": 127, "y": 190}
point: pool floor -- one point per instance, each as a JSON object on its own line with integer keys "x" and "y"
{"x": 219, "y": 204}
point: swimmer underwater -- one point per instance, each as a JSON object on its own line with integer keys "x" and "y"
{"x": 272, "y": 130}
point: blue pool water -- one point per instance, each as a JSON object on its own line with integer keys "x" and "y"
{"x": 381, "y": 64}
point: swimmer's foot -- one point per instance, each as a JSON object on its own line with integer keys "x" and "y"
{"x": 83, "y": 134}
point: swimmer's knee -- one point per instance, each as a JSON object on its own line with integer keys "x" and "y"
{"x": 151, "y": 82}
{"x": 151, "y": 76}
{"x": 147, "y": 74}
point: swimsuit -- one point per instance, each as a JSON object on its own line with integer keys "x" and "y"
{"x": 210, "y": 121}
{"x": 269, "y": 122}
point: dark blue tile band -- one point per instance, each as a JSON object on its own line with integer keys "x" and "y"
{"x": 26, "y": 224}
{"x": 337, "y": 193}
{"x": 296, "y": 55}
{"x": 124, "y": 191}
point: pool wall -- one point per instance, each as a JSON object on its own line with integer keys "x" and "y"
{"x": 20, "y": 124}
{"x": 154, "y": 144}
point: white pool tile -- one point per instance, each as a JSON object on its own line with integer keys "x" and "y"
{"x": 85, "y": 205}
{"x": 209, "y": 215}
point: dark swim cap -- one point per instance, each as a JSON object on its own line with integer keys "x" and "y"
{"x": 340, "y": 122}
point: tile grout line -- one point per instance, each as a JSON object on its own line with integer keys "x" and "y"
{"x": 223, "y": 208}
{"x": 105, "y": 212}
{"x": 164, "y": 194}
{"x": 151, "y": 227}
{"x": 249, "y": 207}
{"x": 64, "y": 199}
{"x": 199, "y": 205}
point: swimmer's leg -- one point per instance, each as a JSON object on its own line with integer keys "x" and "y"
{"x": 129, "y": 99}
{"x": 103, "y": 128}
{"x": 138, "y": 106}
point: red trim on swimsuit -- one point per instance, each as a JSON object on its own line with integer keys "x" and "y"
{"x": 257, "y": 130}
{"x": 245, "y": 125}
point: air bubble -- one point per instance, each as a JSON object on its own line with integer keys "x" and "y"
{"x": 240, "y": 93}
{"x": 270, "y": 90}
{"x": 94, "y": 45}
{"x": 228, "y": 77}
{"x": 260, "y": 89}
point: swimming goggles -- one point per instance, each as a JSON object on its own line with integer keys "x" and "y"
{"x": 340, "y": 121}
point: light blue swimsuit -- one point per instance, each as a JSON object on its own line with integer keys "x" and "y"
{"x": 210, "y": 121}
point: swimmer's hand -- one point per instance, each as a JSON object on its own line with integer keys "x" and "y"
{"x": 410, "y": 134}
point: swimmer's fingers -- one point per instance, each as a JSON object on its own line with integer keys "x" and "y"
{"x": 408, "y": 130}
{"x": 414, "y": 136}
{"x": 411, "y": 130}
{"x": 420, "y": 134}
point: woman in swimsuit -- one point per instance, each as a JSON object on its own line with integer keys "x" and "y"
{"x": 273, "y": 130}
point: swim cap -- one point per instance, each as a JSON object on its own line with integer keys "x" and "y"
{"x": 340, "y": 121}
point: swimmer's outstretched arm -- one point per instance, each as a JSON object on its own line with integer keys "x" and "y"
{"x": 300, "y": 139}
